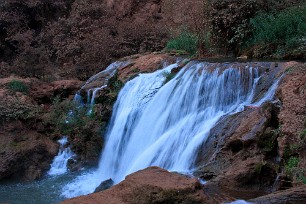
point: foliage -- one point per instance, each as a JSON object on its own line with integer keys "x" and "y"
{"x": 303, "y": 135}
{"x": 114, "y": 85}
{"x": 185, "y": 41}
{"x": 168, "y": 76}
{"x": 287, "y": 27}
{"x": 291, "y": 164}
{"x": 67, "y": 118}
{"x": 72, "y": 38}
{"x": 18, "y": 86}
{"x": 13, "y": 110}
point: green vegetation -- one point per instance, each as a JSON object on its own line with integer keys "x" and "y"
{"x": 303, "y": 178}
{"x": 258, "y": 168}
{"x": 291, "y": 164}
{"x": 294, "y": 171}
{"x": 268, "y": 142}
{"x": 18, "y": 86}
{"x": 14, "y": 110}
{"x": 285, "y": 29}
{"x": 115, "y": 85}
{"x": 184, "y": 42}
{"x": 303, "y": 135}
{"x": 67, "y": 118}
{"x": 168, "y": 76}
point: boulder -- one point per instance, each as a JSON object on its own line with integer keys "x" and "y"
{"x": 104, "y": 185}
{"x": 295, "y": 195}
{"x": 24, "y": 154}
{"x": 144, "y": 64}
{"x": 151, "y": 185}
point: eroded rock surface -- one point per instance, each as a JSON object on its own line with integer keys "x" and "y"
{"x": 27, "y": 147}
{"x": 240, "y": 152}
{"x": 295, "y": 195}
{"x": 152, "y": 185}
{"x": 248, "y": 154}
{"x": 24, "y": 154}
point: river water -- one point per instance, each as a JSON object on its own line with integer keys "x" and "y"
{"x": 157, "y": 123}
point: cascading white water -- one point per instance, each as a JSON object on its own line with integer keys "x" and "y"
{"x": 59, "y": 164}
{"x": 92, "y": 100}
{"x": 102, "y": 77}
{"x": 163, "y": 125}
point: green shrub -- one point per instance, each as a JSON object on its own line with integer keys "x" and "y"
{"x": 18, "y": 86}
{"x": 168, "y": 76}
{"x": 13, "y": 110}
{"x": 185, "y": 41}
{"x": 303, "y": 178}
{"x": 288, "y": 27}
{"x": 67, "y": 118}
{"x": 291, "y": 164}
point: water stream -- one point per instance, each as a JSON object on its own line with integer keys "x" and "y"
{"x": 59, "y": 164}
{"x": 153, "y": 123}
{"x": 165, "y": 127}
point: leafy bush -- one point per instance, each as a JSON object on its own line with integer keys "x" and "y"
{"x": 292, "y": 163}
{"x": 12, "y": 110}
{"x": 168, "y": 76}
{"x": 287, "y": 27}
{"x": 185, "y": 41}
{"x": 17, "y": 86}
{"x": 67, "y": 118}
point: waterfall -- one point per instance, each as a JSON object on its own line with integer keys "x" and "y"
{"x": 92, "y": 100}
{"x": 59, "y": 164}
{"x": 157, "y": 124}
{"x": 99, "y": 81}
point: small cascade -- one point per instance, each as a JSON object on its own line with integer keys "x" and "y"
{"x": 157, "y": 124}
{"x": 98, "y": 82}
{"x": 106, "y": 74}
{"x": 92, "y": 100}
{"x": 59, "y": 164}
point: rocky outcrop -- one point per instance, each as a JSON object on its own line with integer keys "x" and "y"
{"x": 27, "y": 147}
{"x": 241, "y": 151}
{"x": 144, "y": 64}
{"x": 153, "y": 185}
{"x": 104, "y": 185}
{"x": 261, "y": 149}
{"x": 295, "y": 195}
{"x": 292, "y": 143}
{"x": 44, "y": 93}
{"x": 24, "y": 154}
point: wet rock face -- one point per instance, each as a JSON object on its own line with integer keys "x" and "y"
{"x": 241, "y": 151}
{"x": 247, "y": 151}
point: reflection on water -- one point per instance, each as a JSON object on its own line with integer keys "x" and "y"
{"x": 45, "y": 191}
